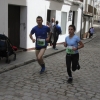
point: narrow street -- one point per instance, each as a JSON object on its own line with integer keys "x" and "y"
{"x": 25, "y": 83}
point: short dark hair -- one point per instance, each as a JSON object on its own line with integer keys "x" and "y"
{"x": 73, "y": 26}
{"x": 57, "y": 22}
{"x": 39, "y": 17}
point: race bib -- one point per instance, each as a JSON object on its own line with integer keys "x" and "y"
{"x": 41, "y": 42}
{"x": 69, "y": 50}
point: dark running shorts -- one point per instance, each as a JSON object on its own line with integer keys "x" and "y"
{"x": 39, "y": 48}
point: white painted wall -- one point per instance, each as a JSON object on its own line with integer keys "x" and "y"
{"x": 78, "y": 23}
{"x": 23, "y": 26}
{"x": 87, "y": 25}
{"x": 83, "y": 27}
{"x": 63, "y": 22}
{"x": 34, "y": 9}
{"x": 2, "y": 17}
{"x": 17, "y": 2}
{"x": 53, "y": 14}
{"x": 84, "y": 5}
{"x": 28, "y": 16}
{"x": 58, "y": 16}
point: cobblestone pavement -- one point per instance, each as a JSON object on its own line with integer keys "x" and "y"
{"x": 25, "y": 83}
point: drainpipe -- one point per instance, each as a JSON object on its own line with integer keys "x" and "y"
{"x": 93, "y": 14}
{"x": 81, "y": 21}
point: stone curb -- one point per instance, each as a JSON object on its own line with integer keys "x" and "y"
{"x": 33, "y": 60}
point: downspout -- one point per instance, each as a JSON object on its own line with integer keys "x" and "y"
{"x": 93, "y": 14}
{"x": 81, "y": 21}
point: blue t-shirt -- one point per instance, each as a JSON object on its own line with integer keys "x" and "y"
{"x": 41, "y": 35}
{"x": 58, "y": 29}
{"x": 72, "y": 41}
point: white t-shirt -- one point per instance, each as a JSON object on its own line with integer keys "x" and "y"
{"x": 51, "y": 27}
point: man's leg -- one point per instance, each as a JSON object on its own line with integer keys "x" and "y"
{"x": 89, "y": 35}
{"x": 37, "y": 52}
{"x": 50, "y": 40}
{"x": 39, "y": 55}
{"x": 55, "y": 40}
{"x": 57, "y": 37}
{"x": 92, "y": 34}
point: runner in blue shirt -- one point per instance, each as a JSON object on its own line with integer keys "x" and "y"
{"x": 72, "y": 44}
{"x": 41, "y": 41}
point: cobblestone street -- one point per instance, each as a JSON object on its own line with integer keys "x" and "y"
{"x": 25, "y": 83}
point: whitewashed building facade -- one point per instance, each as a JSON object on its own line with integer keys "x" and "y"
{"x": 89, "y": 11}
{"x": 17, "y": 17}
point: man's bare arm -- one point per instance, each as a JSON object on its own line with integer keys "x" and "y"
{"x": 30, "y": 35}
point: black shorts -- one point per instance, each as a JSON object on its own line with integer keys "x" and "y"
{"x": 39, "y": 48}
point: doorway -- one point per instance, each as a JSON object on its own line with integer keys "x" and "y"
{"x": 48, "y": 15}
{"x": 73, "y": 19}
{"x": 14, "y": 24}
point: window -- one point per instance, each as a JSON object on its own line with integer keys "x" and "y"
{"x": 63, "y": 22}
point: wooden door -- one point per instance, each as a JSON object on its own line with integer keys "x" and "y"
{"x": 14, "y": 24}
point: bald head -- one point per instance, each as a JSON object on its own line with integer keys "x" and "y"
{"x": 52, "y": 20}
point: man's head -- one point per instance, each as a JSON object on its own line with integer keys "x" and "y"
{"x": 52, "y": 20}
{"x": 39, "y": 20}
{"x": 57, "y": 22}
{"x": 47, "y": 23}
